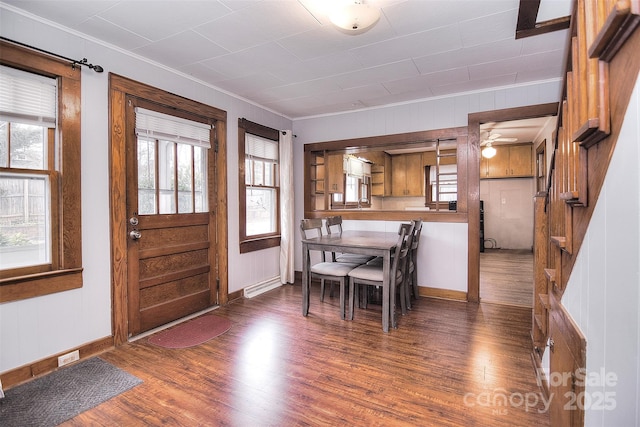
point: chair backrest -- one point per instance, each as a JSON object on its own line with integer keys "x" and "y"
{"x": 310, "y": 228}
{"x": 416, "y": 234}
{"x": 334, "y": 223}
{"x": 403, "y": 248}
{"x": 406, "y": 226}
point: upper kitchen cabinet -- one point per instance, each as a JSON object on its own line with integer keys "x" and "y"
{"x": 335, "y": 173}
{"x": 380, "y": 172}
{"x": 407, "y": 175}
{"x": 510, "y": 161}
{"x": 447, "y": 157}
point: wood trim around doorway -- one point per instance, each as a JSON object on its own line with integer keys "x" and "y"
{"x": 475, "y": 120}
{"x": 119, "y": 88}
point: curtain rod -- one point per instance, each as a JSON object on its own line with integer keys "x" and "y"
{"x": 74, "y": 62}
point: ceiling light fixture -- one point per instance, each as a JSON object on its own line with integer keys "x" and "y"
{"x": 488, "y": 151}
{"x": 354, "y": 17}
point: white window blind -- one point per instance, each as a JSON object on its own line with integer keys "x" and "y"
{"x": 27, "y": 97}
{"x": 260, "y": 148}
{"x": 152, "y": 124}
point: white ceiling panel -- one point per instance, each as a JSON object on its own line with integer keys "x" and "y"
{"x": 65, "y": 12}
{"x": 171, "y": 50}
{"x": 286, "y": 55}
{"x": 255, "y": 25}
{"x": 410, "y": 46}
{"x": 475, "y": 85}
{"x": 415, "y": 16}
{"x": 545, "y": 42}
{"x": 105, "y": 30}
{"x": 251, "y": 84}
{"x": 374, "y": 75}
{"x": 439, "y": 78}
{"x": 514, "y": 65}
{"x": 489, "y": 28}
{"x": 158, "y": 19}
{"x": 551, "y": 72}
{"x": 298, "y": 90}
{"x": 497, "y": 50}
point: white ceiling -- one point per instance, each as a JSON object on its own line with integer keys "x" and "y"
{"x": 524, "y": 131}
{"x": 286, "y": 56}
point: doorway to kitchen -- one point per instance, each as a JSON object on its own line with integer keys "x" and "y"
{"x": 506, "y": 188}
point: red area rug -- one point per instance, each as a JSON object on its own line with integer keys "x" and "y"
{"x": 191, "y": 333}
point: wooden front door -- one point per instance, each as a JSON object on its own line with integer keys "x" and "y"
{"x": 170, "y": 223}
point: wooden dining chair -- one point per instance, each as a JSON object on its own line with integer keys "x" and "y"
{"x": 405, "y": 289}
{"x": 326, "y": 270}
{"x": 412, "y": 265}
{"x": 333, "y": 225}
{"x": 372, "y": 274}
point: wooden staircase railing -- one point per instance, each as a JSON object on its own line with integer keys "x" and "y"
{"x": 601, "y": 69}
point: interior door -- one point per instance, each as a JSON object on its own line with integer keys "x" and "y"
{"x": 171, "y": 240}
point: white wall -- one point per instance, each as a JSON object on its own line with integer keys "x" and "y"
{"x": 508, "y": 212}
{"x": 442, "y": 252}
{"x": 603, "y": 293}
{"x": 39, "y": 327}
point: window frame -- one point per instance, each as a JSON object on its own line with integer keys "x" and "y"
{"x": 429, "y": 184}
{"x": 263, "y": 241}
{"x": 362, "y": 182}
{"x": 65, "y": 271}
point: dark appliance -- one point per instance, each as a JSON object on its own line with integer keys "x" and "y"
{"x": 481, "y": 225}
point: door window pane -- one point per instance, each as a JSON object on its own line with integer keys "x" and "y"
{"x": 185, "y": 177}
{"x": 166, "y": 175}
{"x": 200, "y": 179}
{"x": 146, "y": 176}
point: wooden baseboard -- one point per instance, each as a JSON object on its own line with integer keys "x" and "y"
{"x": 442, "y": 293}
{"x": 235, "y": 295}
{"x": 49, "y": 364}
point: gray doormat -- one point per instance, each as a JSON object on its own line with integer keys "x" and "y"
{"x": 63, "y": 394}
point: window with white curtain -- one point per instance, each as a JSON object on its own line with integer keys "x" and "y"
{"x": 40, "y": 225}
{"x": 27, "y": 131}
{"x": 258, "y": 150}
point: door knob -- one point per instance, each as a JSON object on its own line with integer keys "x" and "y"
{"x": 135, "y": 234}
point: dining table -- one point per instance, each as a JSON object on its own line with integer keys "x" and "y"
{"x": 373, "y": 243}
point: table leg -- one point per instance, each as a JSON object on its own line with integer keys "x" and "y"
{"x": 305, "y": 279}
{"x": 385, "y": 291}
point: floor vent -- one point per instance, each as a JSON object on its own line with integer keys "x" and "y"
{"x": 262, "y": 287}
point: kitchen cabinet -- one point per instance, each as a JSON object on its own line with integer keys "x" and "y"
{"x": 335, "y": 165}
{"x": 510, "y": 161}
{"x": 380, "y": 173}
{"x": 447, "y": 157}
{"x": 407, "y": 175}
{"x": 317, "y": 173}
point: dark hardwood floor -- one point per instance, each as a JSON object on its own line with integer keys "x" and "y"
{"x": 449, "y": 363}
{"x": 506, "y": 277}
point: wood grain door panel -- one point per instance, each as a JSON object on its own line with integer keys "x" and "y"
{"x": 172, "y": 268}
{"x": 170, "y": 271}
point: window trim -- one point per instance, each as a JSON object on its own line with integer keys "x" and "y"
{"x": 364, "y": 181}
{"x": 66, "y": 266}
{"x": 253, "y": 243}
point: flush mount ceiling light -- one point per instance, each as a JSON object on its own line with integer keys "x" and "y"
{"x": 354, "y": 16}
{"x": 488, "y": 151}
